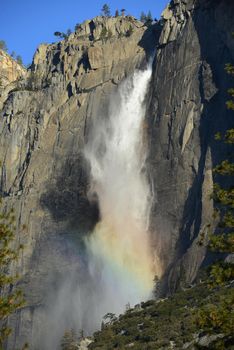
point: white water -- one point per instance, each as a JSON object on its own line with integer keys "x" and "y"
{"x": 119, "y": 248}
{"x": 119, "y": 267}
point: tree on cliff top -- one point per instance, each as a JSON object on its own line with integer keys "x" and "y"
{"x": 19, "y": 60}
{"x": 11, "y": 299}
{"x": 143, "y": 17}
{"x": 123, "y": 12}
{"x": 3, "y": 45}
{"x": 106, "y": 10}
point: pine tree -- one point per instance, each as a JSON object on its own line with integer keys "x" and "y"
{"x": 106, "y": 10}
{"x": 149, "y": 16}
{"x": 143, "y": 17}
{"x": 149, "y": 19}
{"x": 68, "y": 32}
{"x": 3, "y": 45}
{"x": 62, "y": 35}
{"x": 58, "y": 34}
{"x": 123, "y": 12}
{"x": 223, "y": 242}
{"x": 19, "y": 60}
{"x": 11, "y": 299}
{"x": 69, "y": 340}
{"x": 78, "y": 27}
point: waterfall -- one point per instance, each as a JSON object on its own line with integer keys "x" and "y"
{"x": 120, "y": 257}
{"x": 117, "y": 266}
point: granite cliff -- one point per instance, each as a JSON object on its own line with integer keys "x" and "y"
{"x": 44, "y": 123}
{"x": 46, "y": 115}
{"x": 186, "y": 109}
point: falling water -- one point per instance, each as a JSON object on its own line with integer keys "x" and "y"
{"x": 118, "y": 267}
{"x": 120, "y": 258}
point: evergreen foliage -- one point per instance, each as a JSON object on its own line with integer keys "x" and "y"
{"x": 143, "y": 17}
{"x": 63, "y": 35}
{"x": 19, "y": 60}
{"x": 106, "y": 10}
{"x": 77, "y": 27}
{"x": 159, "y": 324}
{"x": 149, "y": 16}
{"x": 219, "y": 318}
{"x": 3, "y": 45}
{"x": 123, "y": 12}
{"x": 69, "y": 340}
{"x": 68, "y": 32}
{"x": 146, "y": 19}
{"x": 11, "y": 299}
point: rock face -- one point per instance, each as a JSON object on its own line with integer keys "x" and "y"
{"x": 10, "y": 70}
{"x": 44, "y": 122}
{"x": 11, "y": 73}
{"x": 186, "y": 109}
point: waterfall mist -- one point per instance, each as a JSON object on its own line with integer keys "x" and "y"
{"x": 119, "y": 248}
{"x": 118, "y": 266}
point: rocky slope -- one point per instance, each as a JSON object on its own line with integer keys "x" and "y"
{"x": 44, "y": 122}
{"x": 165, "y": 324}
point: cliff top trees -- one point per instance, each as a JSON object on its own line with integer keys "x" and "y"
{"x": 16, "y": 57}
{"x": 105, "y": 10}
{"x": 63, "y": 35}
{"x": 78, "y": 27}
{"x": 123, "y": 12}
{"x": 19, "y": 59}
{"x": 143, "y": 17}
{"x": 146, "y": 19}
{"x": 3, "y": 45}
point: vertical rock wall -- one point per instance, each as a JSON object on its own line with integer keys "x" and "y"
{"x": 186, "y": 109}
{"x": 44, "y": 122}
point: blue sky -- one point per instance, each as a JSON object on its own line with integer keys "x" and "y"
{"x": 24, "y": 24}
